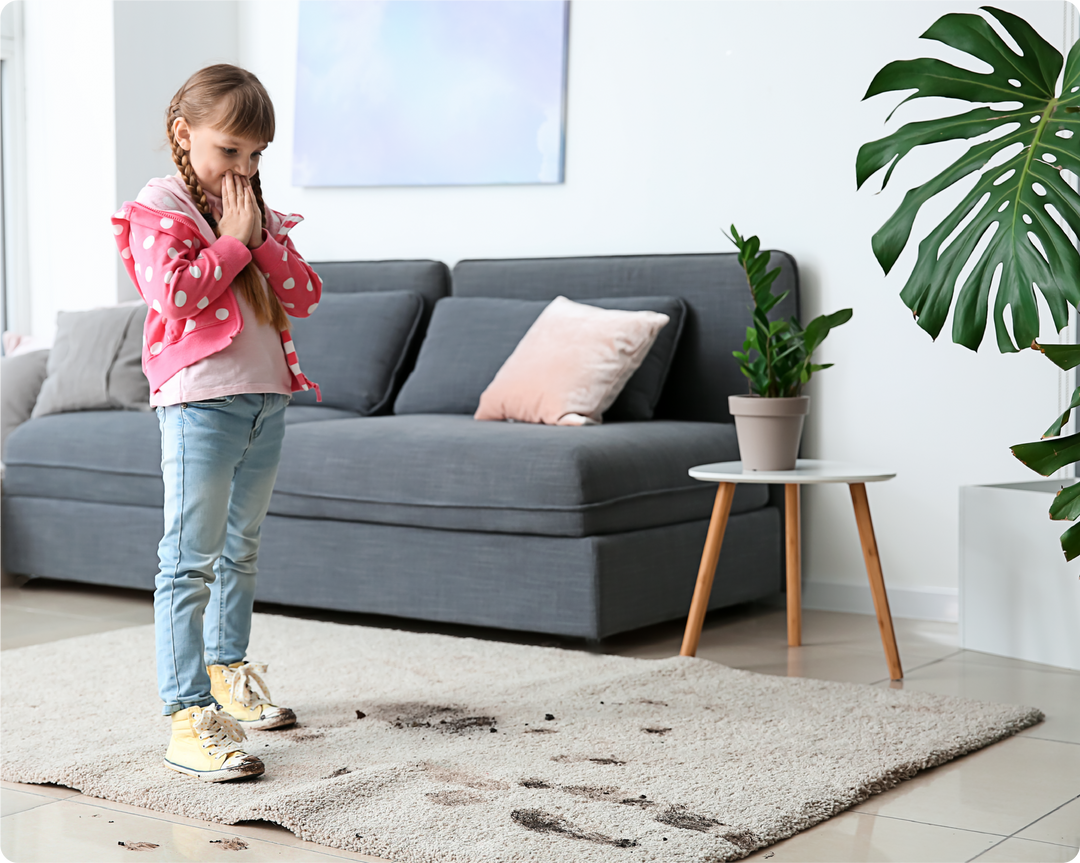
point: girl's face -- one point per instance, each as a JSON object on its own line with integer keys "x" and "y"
{"x": 212, "y": 152}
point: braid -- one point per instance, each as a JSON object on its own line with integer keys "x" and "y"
{"x": 273, "y": 309}
{"x": 256, "y": 187}
{"x": 180, "y": 157}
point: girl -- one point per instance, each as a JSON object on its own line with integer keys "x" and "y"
{"x": 220, "y": 274}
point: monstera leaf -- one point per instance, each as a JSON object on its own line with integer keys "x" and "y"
{"x": 1008, "y": 217}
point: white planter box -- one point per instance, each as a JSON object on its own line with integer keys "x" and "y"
{"x": 1018, "y": 595}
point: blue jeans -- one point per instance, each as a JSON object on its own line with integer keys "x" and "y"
{"x": 219, "y": 460}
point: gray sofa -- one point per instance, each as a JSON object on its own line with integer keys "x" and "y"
{"x": 580, "y": 531}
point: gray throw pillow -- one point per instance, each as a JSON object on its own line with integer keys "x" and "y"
{"x": 354, "y": 346}
{"x": 21, "y": 378}
{"x": 96, "y": 362}
{"x": 469, "y": 339}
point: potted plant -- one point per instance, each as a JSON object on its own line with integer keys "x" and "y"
{"x": 776, "y": 361}
{"x": 1028, "y": 130}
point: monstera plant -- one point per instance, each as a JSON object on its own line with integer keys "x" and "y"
{"x": 1011, "y": 221}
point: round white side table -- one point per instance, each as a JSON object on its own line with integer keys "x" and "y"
{"x": 729, "y": 474}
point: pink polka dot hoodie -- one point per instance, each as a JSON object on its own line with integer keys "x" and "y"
{"x": 184, "y": 273}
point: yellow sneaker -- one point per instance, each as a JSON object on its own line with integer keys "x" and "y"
{"x": 204, "y": 744}
{"x": 242, "y": 694}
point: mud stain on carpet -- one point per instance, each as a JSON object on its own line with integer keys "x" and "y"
{"x": 544, "y": 822}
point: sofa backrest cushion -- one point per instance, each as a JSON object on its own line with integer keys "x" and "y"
{"x": 96, "y": 362}
{"x": 429, "y": 279}
{"x": 469, "y": 339}
{"x": 703, "y": 372}
{"x": 354, "y": 347}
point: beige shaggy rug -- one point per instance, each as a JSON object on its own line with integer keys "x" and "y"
{"x": 431, "y": 749}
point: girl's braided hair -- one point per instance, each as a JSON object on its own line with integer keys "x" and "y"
{"x": 233, "y": 101}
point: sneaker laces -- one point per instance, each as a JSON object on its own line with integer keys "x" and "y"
{"x": 243, "y": 681}
{"x": 217, "y": 727}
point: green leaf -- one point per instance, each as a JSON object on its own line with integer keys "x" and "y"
{"x": 1070, "y": 542}
{"x": 1055, "y": 427}
{"x": 1063, "y": 356}
{"x": 819, "y": 328}
{"x": 1066, "y": 505}
{"x": 1046, "y": 456}
{"x": 1011, "y": 202}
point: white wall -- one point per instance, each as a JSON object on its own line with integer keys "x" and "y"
{"x": 684, "y": 117}
{"x": 70, "y": 157}
{"x": 145, "y": 84}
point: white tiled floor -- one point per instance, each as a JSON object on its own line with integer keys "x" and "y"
{"x": 1018, "y": 800}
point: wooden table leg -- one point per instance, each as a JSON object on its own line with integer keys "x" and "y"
{"x": 707, "y": 569}
{"x": 877, "y": 580}
{"x": 792, "y": 525}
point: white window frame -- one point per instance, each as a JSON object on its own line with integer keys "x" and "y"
{"x": 16, "y": 263}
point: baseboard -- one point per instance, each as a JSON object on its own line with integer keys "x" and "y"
{"x": 925, "y": 603}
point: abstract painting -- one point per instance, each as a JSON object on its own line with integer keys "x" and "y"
{"x": 430, "y": 92}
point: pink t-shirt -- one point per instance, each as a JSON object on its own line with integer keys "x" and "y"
{"x": 254, "y": 362}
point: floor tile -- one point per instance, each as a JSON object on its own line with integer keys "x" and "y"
{"x": 70, "y": 832}
{"x": 17, "y": 801}
{"x": 263, "y": 831}
{"x": 1025, "y": 851}
{"x": 999, "y": 789}
{"x": 79, "y": 600}
{"x": 21, "y": 627}
{"x": 987, "y": 678}
{"x": 1061, "y": 826}
{"x": 853, "y": 837}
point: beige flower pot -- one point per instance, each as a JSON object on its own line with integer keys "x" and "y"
{"x": 769, "y": 430}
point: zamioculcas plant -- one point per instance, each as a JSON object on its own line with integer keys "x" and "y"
{"x": 1010, "y": 220}
{"x": 783, "y": 348}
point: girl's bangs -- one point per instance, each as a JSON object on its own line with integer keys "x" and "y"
{"x": 248, "y": 116}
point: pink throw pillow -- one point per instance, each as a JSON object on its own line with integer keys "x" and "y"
{"x": 571, "y": 365}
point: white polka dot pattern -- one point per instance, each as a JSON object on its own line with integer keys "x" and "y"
{"x": 312, "y": 308}
{"x": 156, "y": 306}
{"x": 125, "y": 253}
{"x": 149, "y": 274}
{"x": 309, "y": 285}
{"x": 221, "y": 314}
{"x": 148, "y": 242}
{"x": 190, "y": 325}
{"x": 289, "y": 305}
{"x": 217, "y": 272}
{"x": 285, "y": 255}
{"x": 203, "y": 303}
{"x": 179, "y": 298}
{"x": 118, "y": 229}
{"x": 195, "y": 271}
{"x": 187, "y": 243}
{"x": 168, "y": 276}
{"x": 289, "y": 284}
{"x": 171, "y": 252}
{"x": 138, "y": 267}
{"x": 156, "y": 347}
{"x": 166, "y": 222}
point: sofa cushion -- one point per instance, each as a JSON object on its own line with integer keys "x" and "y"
{"x": 448, "y": 471}
{"x": 355, "y": 346}
{"x": 469, "y": 339}
{"x": 75, "y": 455}
{"x": 102, "y": 456}
{"x": 439, "y": 471}
{"x": 96, "y": 362}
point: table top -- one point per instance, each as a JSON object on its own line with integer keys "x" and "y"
{"x": 807, "y": 470}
